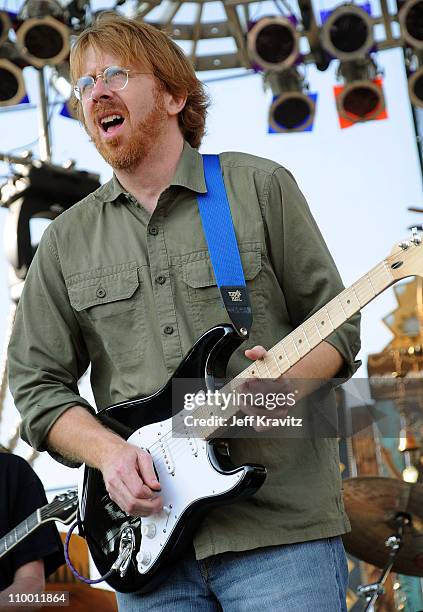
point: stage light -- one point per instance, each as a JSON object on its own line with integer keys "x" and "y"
{"x": 273, "y": 43}
{"x": 44, "y": 41}
{"x": 347, "y": 33}
{"x": 5, "y": 26}
{"x": 415, "y": 87}
{"x": 41, "y": 190}
{"x": 361, "y": 98}
{"x": 12, "y": 84}
{"x": 410, "y": 18}
{"x": 292, "y": 109}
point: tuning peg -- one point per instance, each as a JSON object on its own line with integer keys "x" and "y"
{"x": 416, "y": 238}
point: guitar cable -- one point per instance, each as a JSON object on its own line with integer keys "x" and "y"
{"x": 122, "y": 558}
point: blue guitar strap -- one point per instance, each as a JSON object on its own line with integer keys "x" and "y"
{"x": 220, "y": 236}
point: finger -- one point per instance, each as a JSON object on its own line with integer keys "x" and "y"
{"x": 133, "y": 506}
{"x": 257, "y": 352}
{"x": 147, "y": 471}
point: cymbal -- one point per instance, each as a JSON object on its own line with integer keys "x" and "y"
{"x": 372, "y": 503}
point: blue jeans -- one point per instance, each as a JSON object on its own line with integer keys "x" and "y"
{"x": 305, "y": 577}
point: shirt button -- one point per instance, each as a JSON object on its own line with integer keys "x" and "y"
{"x": 168, "y": 330}
{"x": 161, "y": 280}
{"x": 153, "y": 230}
{"x": 101, "y": 293}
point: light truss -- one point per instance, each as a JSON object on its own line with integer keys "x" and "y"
{"x": 237, "y": 17}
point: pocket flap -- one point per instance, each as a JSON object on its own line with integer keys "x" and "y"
{"x": 103, "y": 290}
{"x": 200, "y": 273}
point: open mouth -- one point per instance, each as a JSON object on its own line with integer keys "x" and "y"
{"x": 111, "y": 123}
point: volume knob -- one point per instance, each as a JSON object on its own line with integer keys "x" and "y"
{"x": 144, "y": 557}
{"x": 149, "y": 530}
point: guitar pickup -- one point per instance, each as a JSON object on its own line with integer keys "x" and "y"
{"x": 166, "y": 458}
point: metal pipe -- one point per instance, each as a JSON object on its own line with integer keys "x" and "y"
{"x": 44, "y": 131}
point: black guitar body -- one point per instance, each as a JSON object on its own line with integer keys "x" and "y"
{"x": 103, "y": 521}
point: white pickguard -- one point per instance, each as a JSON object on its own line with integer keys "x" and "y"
{"x": 185, "y": 474}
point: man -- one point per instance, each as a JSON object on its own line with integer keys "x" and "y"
{"x": 123, "y": 281}
{"x": 23, "y": 569}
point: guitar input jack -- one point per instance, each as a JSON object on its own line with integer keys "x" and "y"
{"x": 126, "y": 548}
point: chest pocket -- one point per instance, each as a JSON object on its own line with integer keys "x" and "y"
{"x": 204, "y": 295}
{"x": 109, "y": 307}
{"x": 199, "y": 277}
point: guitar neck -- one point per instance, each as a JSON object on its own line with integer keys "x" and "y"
{"x": 11, "y": 539}
{"x": 312, "y": 332}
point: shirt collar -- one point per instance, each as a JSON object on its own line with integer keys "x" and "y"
{"x": 189, "y": 173}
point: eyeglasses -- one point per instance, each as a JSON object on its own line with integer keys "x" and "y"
{"x": 114, "y": 78}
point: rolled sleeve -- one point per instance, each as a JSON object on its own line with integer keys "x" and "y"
{"x": 304, "y": 267}
{"x": 47, "y": 354}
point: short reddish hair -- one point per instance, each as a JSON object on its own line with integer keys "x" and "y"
{"x": 128, "y": 39}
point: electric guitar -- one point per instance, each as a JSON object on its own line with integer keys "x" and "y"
{"x": 63, "y": 508}
{"x": 196, "y": 473}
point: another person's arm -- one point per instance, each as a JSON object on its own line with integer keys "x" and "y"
{"x": 28, "y": 579}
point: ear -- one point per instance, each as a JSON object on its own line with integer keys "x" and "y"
{"x": 174, "y": 104}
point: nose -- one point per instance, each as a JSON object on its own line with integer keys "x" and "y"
{"x": 99, "y": 90}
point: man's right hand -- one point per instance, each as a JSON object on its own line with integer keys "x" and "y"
{"x": 130, "y": 479}
{"x": 127, "y": 470}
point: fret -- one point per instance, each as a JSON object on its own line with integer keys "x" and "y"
{"x": 342, "y": 308}
{"x": 349, "y": 302}
{"x": 299, "y": 340}
{"x": 291, "y": 351}
{"x": 290, "y": 363}
{"x": 266, "y": 365}
{"x": 368, "y": 277}
{"x": 320, "y": 325}
{"x": 364, "y": 291}
{"x": 278, "y": 362}
{"x": 261, "y": 368}
{"x": 251, "y": 371}
{"x": 317, "y": 327}
{"x": 272, "y": 365}
{"x": 387, "y": 273}
{"x": 357, "y": 295}
{"x": 11, "y": 539}
{"x": 280, "y": 358}
{"x": 323, "y": 323}
{"x": 336, "y": 315}
{"x": 18, "y": 533}
{"x": 381, "y": 277}
{"x": 311, "y": 332}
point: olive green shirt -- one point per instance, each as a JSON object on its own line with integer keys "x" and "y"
{"x": 130, "y": 293}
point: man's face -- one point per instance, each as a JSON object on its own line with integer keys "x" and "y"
{"x": 141, "y": 108}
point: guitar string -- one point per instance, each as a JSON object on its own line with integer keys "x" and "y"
{"x": 173, "y": 444}
{"x": 181, "y": 446}
{"x": 379, "y": 270}
{"x": 53, "y": 506}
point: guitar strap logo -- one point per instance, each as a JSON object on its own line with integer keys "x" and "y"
{"x": 235, "y": 295}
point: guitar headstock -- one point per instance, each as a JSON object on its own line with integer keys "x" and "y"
{"x": 406, "y": 258}
{"x": 63, "y": 507}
